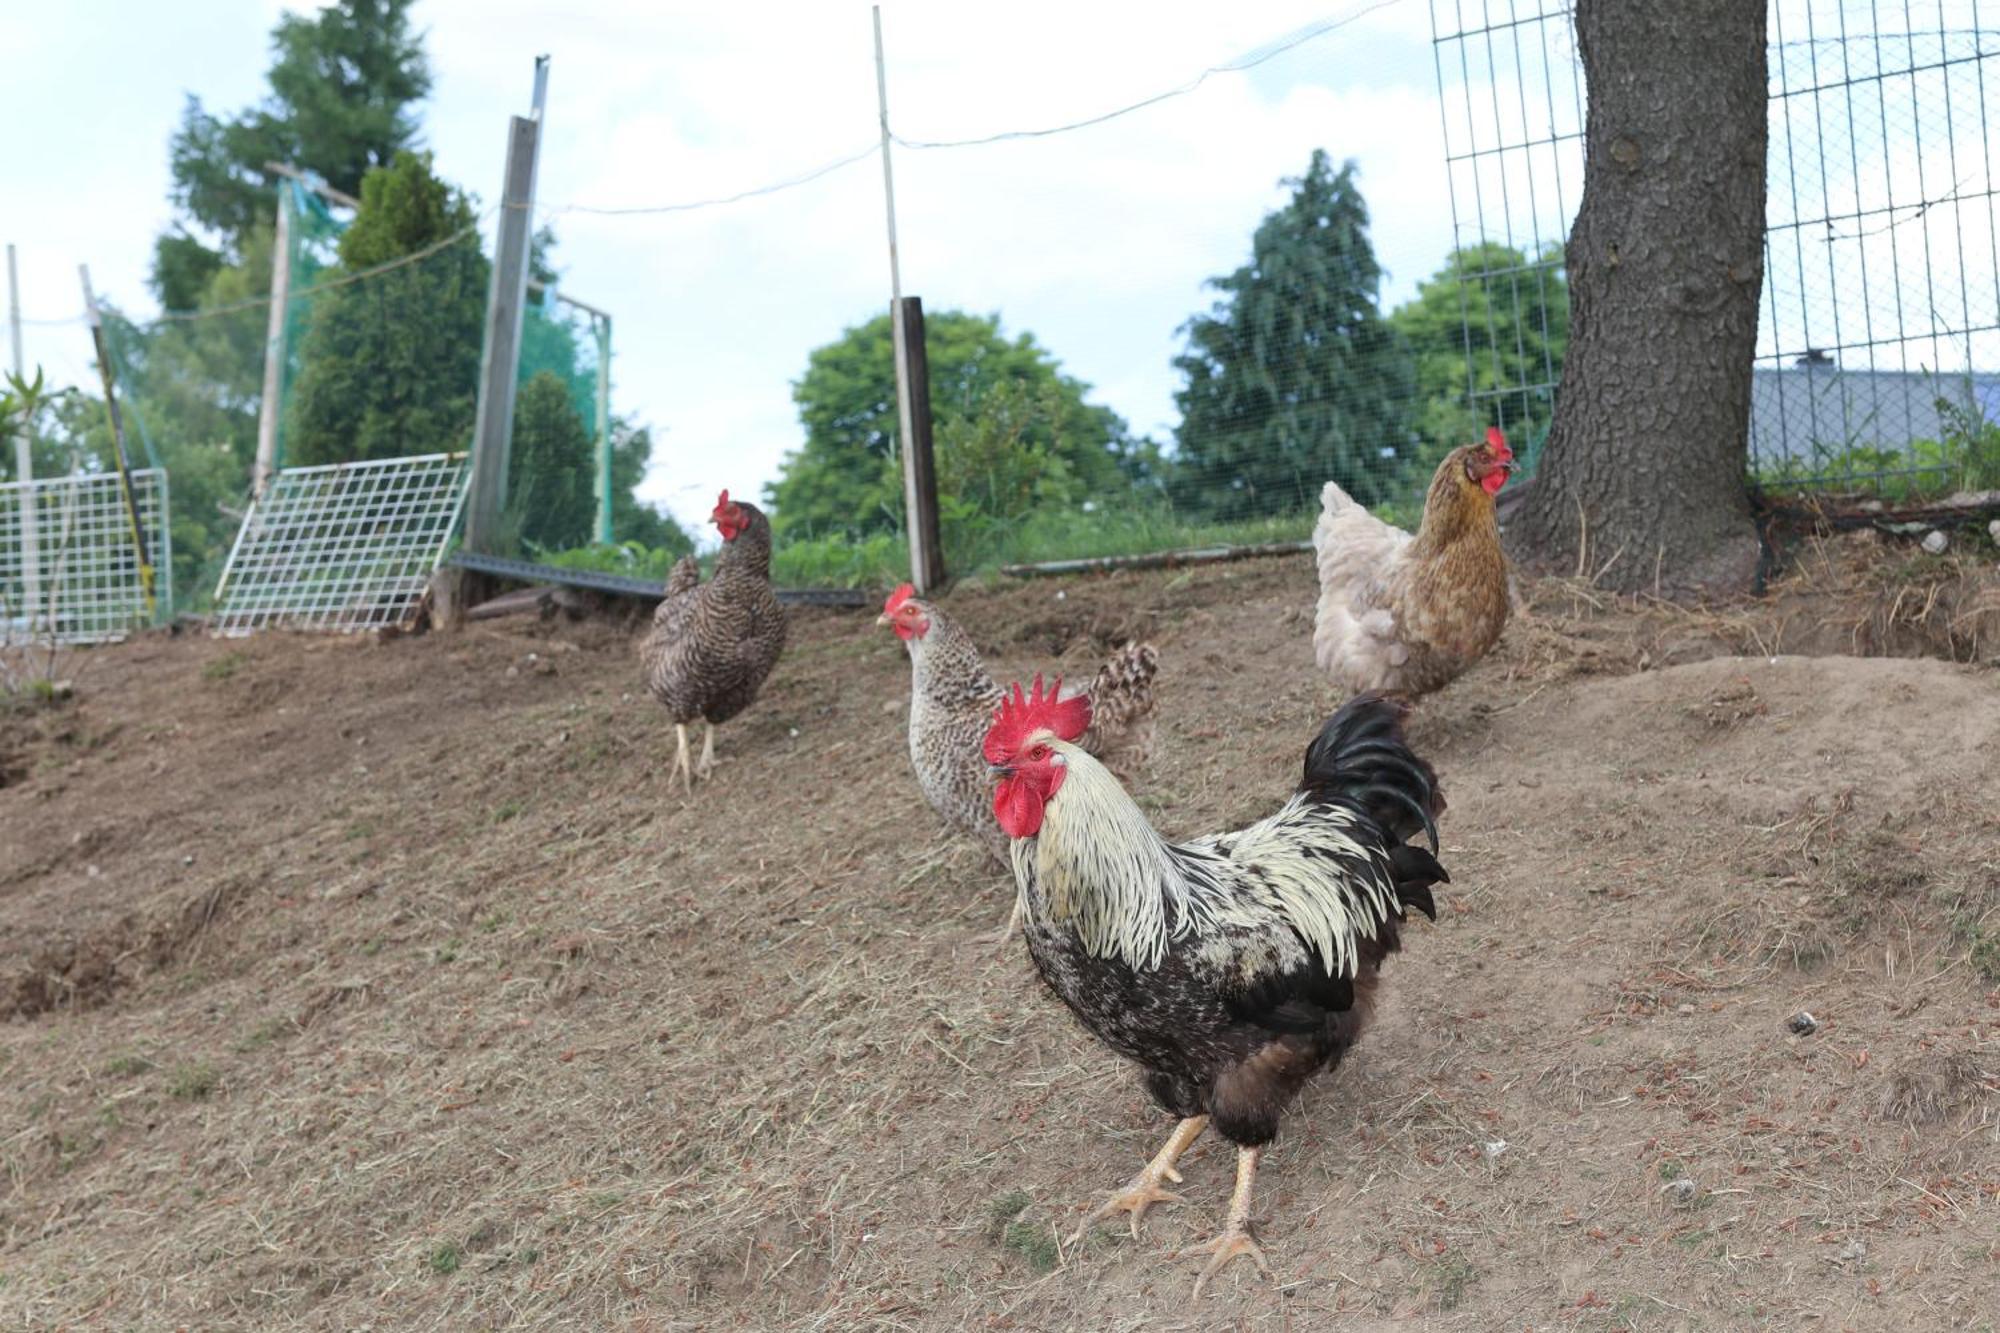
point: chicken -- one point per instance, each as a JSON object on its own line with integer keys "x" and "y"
{"x": 1406, "y": 615}
{"x": 1230, "y": 969}
{"x": 952, "y": 699}
{"x": 712, "y": 644}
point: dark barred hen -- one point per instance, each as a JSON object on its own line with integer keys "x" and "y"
{"x": 1232, "y": 968}
{"x": 952, "y": 701}
{"x": 712, "y": 644}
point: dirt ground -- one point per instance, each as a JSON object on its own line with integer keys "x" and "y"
{"x": 350, "y": 984}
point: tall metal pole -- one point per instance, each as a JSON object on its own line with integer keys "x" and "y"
{"x": 602, "y": 327}
{"x": 24, "y": 453}
{"x": 500, "y": 359}
{"x": 274, "y": 348}
{"x": 921, "y": 562}
{"x": 104, "y": 372}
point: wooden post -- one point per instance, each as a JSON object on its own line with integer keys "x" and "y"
{"x": 274, "y": 348}
{"x": 602, "y": 328}
{"x": 118, "y": 441}
{"x": 499, "y": 361}
{"x": 920, "y": 497}
{"x": 24, "y": 456}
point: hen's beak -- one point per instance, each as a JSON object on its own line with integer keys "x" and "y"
{"x": 882, "y": 620}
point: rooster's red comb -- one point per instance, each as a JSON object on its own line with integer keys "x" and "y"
{"x": 721, "y": 505}
{"x": 1022, "y": 715}
{"x": 1496, "y": 440}
{"x": 897, "y": 598}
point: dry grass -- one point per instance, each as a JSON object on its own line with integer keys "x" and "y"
{"x": 458, "y": 1016}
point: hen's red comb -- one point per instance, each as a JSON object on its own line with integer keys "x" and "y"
{"x": 897, "y": 598}
{"x": 721, "y": 505}
{"x": 1496, "y": 440}
{"x": 1022, "y": 715}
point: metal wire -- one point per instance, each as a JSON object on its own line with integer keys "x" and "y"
{"x": 1882, "y": 210}
{"x": 86, "y": 581}
{"x": 344, "y": 547}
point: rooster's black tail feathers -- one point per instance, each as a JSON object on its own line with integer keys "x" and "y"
{"x": 1360, "y": 758}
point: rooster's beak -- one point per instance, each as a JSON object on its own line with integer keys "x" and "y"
{"x": 882, "y": 620}
{"x": 999, "y": 771}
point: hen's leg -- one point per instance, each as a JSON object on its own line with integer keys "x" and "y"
{"x": 706, "y": 764}
{"x": 681, "y": 759}
{"x": 1145, "y": 1191}
{"x": 1236, "y": 1238}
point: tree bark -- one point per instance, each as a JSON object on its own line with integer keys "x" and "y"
{"x": 1642, "y": 478}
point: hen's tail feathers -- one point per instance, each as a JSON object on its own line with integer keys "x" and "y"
{"x": 684, "y": 575}
{"x": 1121, "y": 706}
{"x": 1360, "y": 758}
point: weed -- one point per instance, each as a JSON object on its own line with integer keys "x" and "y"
{"x": 1450, "y": 1275}
{"x": 1003, "y": 1210}
{"x": 1670, "y": 1169}
{"x": 263, "y": 1035}
{"x": 1033, "y": 1242}
{"x": 128, "y": 1066}
{"x": 223, "y": 667}
{"x": 193, "y": 1083}
{"x": 445, "y": 1259}
{"x": 506, "y": 810}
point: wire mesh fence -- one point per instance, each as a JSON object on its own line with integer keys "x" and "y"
{"x": 85, "y": 582}
{"x": 341, "y": 546}
{"x": 1878, "y": 347}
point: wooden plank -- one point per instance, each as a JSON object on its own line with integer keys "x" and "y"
{"x": 919, "y": 459}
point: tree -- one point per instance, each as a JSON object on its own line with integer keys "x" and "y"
{"x": 845, "y": 478}
{"x": 389, "y": 365}
{"x": 1294, "y": 377}
{"x": 1642, "y": 477}
{"x": 343, "y": 82}
{"x": 1494, "y": 321}
{"x": 552, "y": 472}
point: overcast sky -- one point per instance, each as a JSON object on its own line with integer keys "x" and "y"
{"x": 1098, "y": 241}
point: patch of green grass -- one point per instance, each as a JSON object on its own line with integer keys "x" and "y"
{"x": 446, "y": 952}
{"x": 263, "y": 1035}
{"x": 507, "y": 810}
{"x": 527, "y": 1256}
{"x": 492, "y": 921}
{"x": 1033, "y": 1242}
{"x": 193, "y": 1082}
{"x": 1671, "y": 1170}
{"x": 1003, "y": 1210}
{"x": 445, "y": 1259}
{"x": 223, "y": 667}
{"x": 128, "y": 1066}
{"x": 372, "y": 947}
{"x": 1450, "y": 1275}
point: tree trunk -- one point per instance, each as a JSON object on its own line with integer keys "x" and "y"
{"x": 1642, "y": 478}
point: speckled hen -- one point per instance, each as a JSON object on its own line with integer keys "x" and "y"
{"x": 712, "y": 644}
{"x": 1230, "y": 969}
{"x": 952, "y": 702}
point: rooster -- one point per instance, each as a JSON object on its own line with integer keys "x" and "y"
{"x": 952, "y": 699}
{"x": 1231, "y": 968}
{"x": 1406, "y": 615}
{"x": 712, "y": 644}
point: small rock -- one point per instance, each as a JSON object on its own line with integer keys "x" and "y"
{"x": 1680, "y": 1192}
{"x": 1802, "y": 1024}
{"x": 1993, "y": 531}
{"x": 188, "y": 860}
{"x": 1061, "y": 596}
{"x": 793, "y": 732}
{"x": 1684, "y": 1009}
{"x": 1855, "y": 1252}
{"x": 1494, "y": 1149}
{"x": 513, "y": 671}
{"x": 92, "y": 871}
{"x": 893, "y": 705}
{"x": 1935, "y": 542}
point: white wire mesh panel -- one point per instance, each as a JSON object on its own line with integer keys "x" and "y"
{"x": 85, "y": 586}
{"x": 343, "y": 547}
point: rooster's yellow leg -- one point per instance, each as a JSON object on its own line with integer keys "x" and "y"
{"x": 706, "y": 764}
{"x": 1145, "y": 1191}
{"x": 1236, "y": 1239}
{"x": 681, "y": 759}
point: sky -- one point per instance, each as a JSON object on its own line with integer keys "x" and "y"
{"x": 1098, "y": 241}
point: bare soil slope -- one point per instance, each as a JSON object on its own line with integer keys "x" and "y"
{"x": 350, "y": 984}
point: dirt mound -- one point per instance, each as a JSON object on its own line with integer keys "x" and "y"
{"x": 396, "y": 985}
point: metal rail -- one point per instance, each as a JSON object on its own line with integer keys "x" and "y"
{"x": 527, "y": 571}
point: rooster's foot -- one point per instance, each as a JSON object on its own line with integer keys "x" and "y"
{"x": 1145, "y": 1191}
{"x": 1236, "y": 1239}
